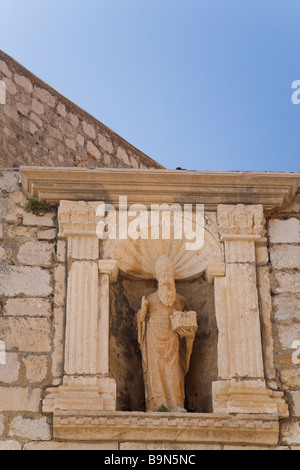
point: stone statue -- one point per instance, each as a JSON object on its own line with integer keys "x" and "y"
{"x": 166, "y": 348}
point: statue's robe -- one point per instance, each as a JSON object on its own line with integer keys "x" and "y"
{"x": 166, "y": 357}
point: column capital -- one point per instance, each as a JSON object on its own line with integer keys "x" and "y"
{"x": 77, "y": 222}
{"x": 215, "y": 270}
{"x": 77, "y": 218}
{"x": 241, "y": 222}
{"x": 109, "y": 267}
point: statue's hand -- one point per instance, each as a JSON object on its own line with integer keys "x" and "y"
{"x": 186, "y": 333}
{"x": 145, "y": 307}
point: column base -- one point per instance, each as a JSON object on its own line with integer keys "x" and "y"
{"x": 81, "y": 394}
{"x": 248, "y": 397}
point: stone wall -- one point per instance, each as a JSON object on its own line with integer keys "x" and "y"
{"x": 284, "y": 252}
{"x": 27, "y": 315}
{"x": 32, "y": 320}
{"x": 41, "y": 127}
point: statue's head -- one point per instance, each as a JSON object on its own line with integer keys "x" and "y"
{"x": 164, "y": 271}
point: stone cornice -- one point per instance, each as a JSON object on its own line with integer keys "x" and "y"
{"x": 271, "y": 189}
{"x": 166, "y": 427}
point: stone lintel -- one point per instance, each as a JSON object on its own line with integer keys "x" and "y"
{"x": 270, "y": 189}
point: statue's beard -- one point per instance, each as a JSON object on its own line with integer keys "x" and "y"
{"x": 167, "y": 294}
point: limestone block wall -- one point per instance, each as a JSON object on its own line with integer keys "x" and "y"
{"x": 27, "y": 320}
{"x": 41, "y": 127}
{"x": 284, "y": 263}
{"x": 32, "y": 323}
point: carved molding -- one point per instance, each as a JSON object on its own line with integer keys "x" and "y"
{"x": 109, "y": 267}
{"x": 215, "y": 270}
{"x": 271, "y": 189}
{"x": 241, "y": 220}
{"x": 77, "y": 218}
{"x": 167, "y": 427}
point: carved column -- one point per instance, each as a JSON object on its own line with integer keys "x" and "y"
{"x": 86, "y": 383}
{"x": 241, "y": 387}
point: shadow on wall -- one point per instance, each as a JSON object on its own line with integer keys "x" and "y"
{"x": 125, "y": 356}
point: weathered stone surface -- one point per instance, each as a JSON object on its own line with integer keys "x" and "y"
{"x": 16, "y": 232}
{"x": 18, "y": 198}
{"x": 1, "y": 424}
{"x": 89, "y": 130}
{"x": 45, "y": 221}
{"x": 255, "y": 448}
{"x": 70, "y": 144}
{"x": 20, "y": 399}
{"x": 29, "y": 281}
{"x": 288, "y": 334}
{"x": 264, "y": 291}
{"x": 23, "y": 109}
{"x": 36, "y": 120}
{"x": 291, "y": 433}
{"x": 37, "y": 107}
{"x": 92, "y": 150}
{"x": 3, "y": 254}
{"x": 32, "y": 429}
{"x": 26, "y": 334}
{"x": 122, "y": 155}
{"x": 295, "y": 399}
{"x": 290, "y": 378}
{"x": 10, "y": 86}
{"x": 4, "y": 68}
{"x": 9, "y": 212}
{"x": 28, "y": 307}
{"x": 74, "y": 120}
{"x": 47, "y": 234}
{"x": 262, "y": 255}
{"x": 58, "y": 343}
{"x": 45, "y": 96}
{"x": 9, "y": 181}
{"x": 36, "y": 368}
{"x": 284, "y": 231}
{"x": 61, "y": 251}
{"x": 9, "y": 372}
{"x": 23, "y": 82}
{"x": 80, "y": 140}
{"x": 10, "y": 445}
{"x": 67, "y": 446}
{"x": 65, "y": 128}
{"x": 61, "y": 109}
{"x": 159, "y": 446}
{"x": 105, "y": 144}
{"x": 287, "y": 283}
{"x": 287, "y": 308}
{"x": 59, "y": 285}
{"x": 285, "y": 256}
{"x": 36, "y": 254}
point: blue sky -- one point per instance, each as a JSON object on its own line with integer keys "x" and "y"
{"x": 200, "y": 84}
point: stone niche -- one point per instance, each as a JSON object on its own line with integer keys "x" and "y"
{"x": 228, "y": 394}
{"x": 125, "y": 356}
